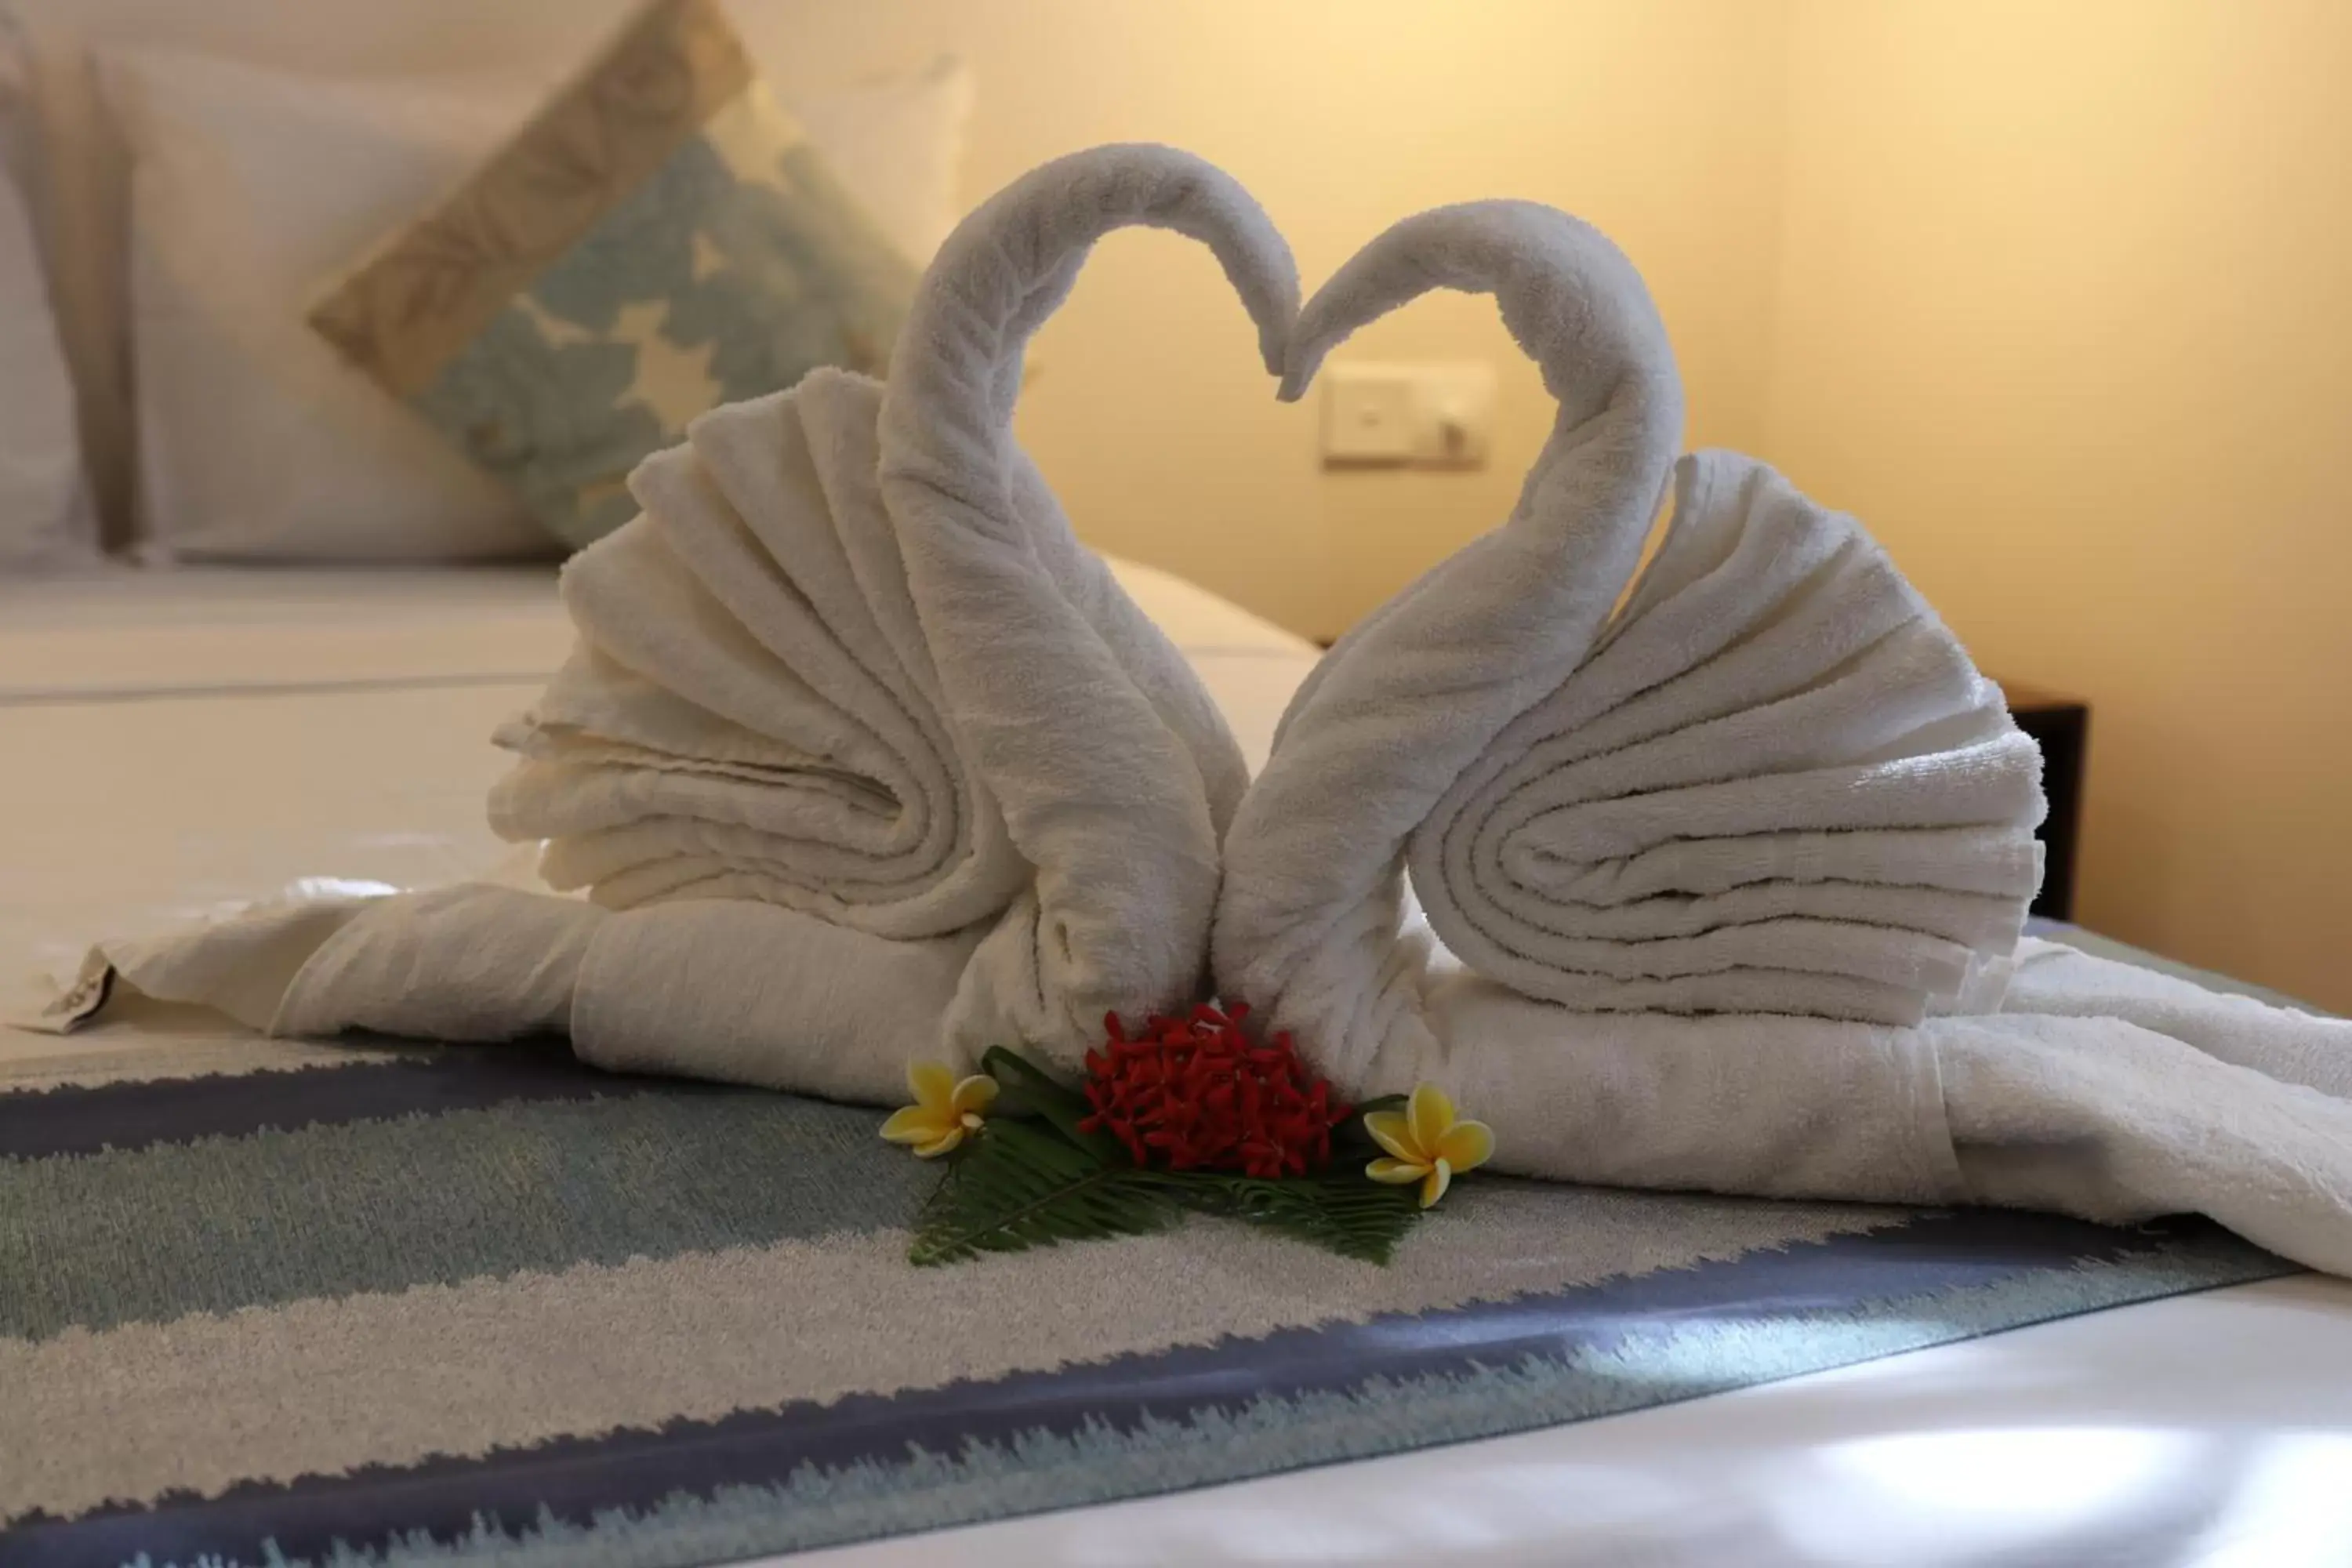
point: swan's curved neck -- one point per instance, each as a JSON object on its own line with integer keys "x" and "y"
{"x": 1578, "y": 309}
{"x": 956, "y": 369}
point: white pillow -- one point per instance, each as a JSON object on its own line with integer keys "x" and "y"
{"x": 251, "y": 188}
{"x": 896, "y": 144}
{"x": 44, "y": 511}
{"x": 255, "y": 441}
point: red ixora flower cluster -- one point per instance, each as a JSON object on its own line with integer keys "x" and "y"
{"x": 1193, "y": 1094}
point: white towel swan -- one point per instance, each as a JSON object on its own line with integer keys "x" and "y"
{"x": 1772, "y": 784}
{"x": 1694, "y": 871}
{"x": 852, "y": 663}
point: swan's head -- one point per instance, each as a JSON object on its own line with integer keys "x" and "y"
{"x": 1571, "y": 298}
{"x": 1010, "y": 263}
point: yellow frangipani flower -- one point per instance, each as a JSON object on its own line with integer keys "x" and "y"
{"x": 944, "y": 1109}
{"x": 1425, "y": 1143}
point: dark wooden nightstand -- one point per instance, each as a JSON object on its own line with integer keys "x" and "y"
{"x": 2061, "y": 725}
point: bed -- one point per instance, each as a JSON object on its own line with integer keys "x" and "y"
{"x": 180, "y": 740}
{"x": 330, "y": 723}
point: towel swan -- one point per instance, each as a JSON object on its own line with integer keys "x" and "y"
{"x": 852, "y": 661}
{"x": 1723, "y": 883}
{"x": 1771, "y": 783}
{"x": 860, "y": 606}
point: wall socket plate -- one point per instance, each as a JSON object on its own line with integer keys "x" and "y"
{"x": 1425, "y": 414}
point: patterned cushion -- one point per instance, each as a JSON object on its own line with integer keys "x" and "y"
{"x": 662, "y": 238}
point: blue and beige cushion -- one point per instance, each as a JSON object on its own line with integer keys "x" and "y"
{"x": 662, "y": 238}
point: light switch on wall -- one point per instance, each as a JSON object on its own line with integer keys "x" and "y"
{"x": 1421, "y": 413}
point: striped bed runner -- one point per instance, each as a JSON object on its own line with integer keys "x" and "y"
{"x": 271, "y": 1304}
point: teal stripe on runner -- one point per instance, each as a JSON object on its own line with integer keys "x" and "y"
{"x": 151, "y": 1235}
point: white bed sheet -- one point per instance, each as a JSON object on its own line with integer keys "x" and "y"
{"x": 2201, "y": 1430}
{"x": 173, "y": 741}
{"x": 121, "y": 632}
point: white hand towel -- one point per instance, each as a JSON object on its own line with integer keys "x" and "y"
{"x": 2134, "y": 1107}
{"x": 727, "y": 989}
{"x": 1771, "y": 783}
{"x": 852, "y": 660}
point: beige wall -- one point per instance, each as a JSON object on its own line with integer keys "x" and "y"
{"x": 2065, "y": 314}
{"x": 1658, "y": 121}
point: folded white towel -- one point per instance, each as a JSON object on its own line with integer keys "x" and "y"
{"x": 2096, "y": 1089}
{"x": 852, "y": 660}
{"x": 1777, "y": 786}
{"x": 1772, "y": 783}
{"x": 2100, "y": 1090}
{"x": 752, "y": 708}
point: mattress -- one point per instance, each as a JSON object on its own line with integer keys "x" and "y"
{"x": 179, "y": 740}
{"x": 170, "y": 743}
{"x": 121, "y": 634}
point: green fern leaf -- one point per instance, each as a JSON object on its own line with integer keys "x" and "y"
{"x": 1017, "y": 1186}
{"x": 1030, "y": 1090}
{"x": 1340, "y": 1212}
{"x": 1034, "y": 1178}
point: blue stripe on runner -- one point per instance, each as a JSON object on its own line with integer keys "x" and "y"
{"x": 78, "y": 1120}
{"x": 1845, "y": 1286}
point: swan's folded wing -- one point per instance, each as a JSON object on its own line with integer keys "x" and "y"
{"x": 752, "y": 712}
{"x": 1778, "y": 785}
